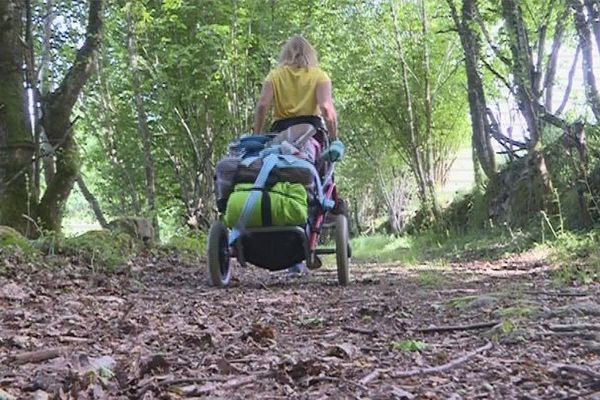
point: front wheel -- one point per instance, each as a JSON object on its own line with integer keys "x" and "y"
{"x": 342, "y": 250}
{"x": 219, "y": 266}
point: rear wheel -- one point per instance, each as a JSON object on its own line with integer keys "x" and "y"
{"x": 219, "y": 266}
{"x": 342, "y": 249}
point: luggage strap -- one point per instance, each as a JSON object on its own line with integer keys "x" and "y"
{"x": 270, "y": 162}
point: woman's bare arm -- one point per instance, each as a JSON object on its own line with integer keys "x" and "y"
{"x": 262, "y": 107}
{"x": 325, "y": 102}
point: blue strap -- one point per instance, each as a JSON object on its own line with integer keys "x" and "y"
{"x": 289, "y": 161}
{"x": 269, "y": 163}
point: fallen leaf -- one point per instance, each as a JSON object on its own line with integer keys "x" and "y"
{"x": 12, "y": 291}
{"x": 343, "y": 350}
{"x": 260, "y": 332}
{"x": 156, "y": 363}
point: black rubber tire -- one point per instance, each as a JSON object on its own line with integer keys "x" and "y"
{"x": 217, "y": 252}
{"x": 341, "y": 250}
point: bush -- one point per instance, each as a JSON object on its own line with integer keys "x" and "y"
{"x": 191, "y": 246}
{"x": 12, "y": 242}
{"x": 101, "y": 248}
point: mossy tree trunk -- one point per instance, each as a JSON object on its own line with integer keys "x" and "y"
{"x": 524, "y": 74}
{"x": 16, "y": 144}
{"x": 57, "y": 123}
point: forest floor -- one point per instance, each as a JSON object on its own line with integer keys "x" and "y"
{"x": 476, "y": 329}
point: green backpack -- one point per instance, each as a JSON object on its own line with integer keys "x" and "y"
{"x": 283, "y": 204}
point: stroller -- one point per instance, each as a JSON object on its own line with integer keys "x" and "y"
{"x": 278, "y": 247}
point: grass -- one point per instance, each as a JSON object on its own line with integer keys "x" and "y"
{"x": 577, "y": 256}
{"x": 430, "y": 247}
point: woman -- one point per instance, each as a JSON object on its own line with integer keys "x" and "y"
{"x": 301, "y": 93}
{"x": 299, "y": 90}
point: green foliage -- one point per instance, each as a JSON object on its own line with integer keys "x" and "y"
{"x": 190, "y": 246}
{"x": 12, "y": 242}
{"x": 577, "y": 257}
{"x": 409, "y": 346}
{"x": 102, "y": 248}
{"x": 431, "y": 246}
{"x": 518, "y": 311}
{"x": 430, "y": 278}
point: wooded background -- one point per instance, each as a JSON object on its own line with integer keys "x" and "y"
{"x": 135, "y": 101}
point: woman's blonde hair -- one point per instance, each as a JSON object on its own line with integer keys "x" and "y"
{"x": 298, "y": 52}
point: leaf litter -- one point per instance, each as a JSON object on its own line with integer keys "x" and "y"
{"x": 162, "y": 333}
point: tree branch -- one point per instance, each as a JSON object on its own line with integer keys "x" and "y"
{"x": 73, "y": 82}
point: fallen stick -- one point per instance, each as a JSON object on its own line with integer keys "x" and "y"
{"x": 574, "y": 327}
{"x": 36, "y": 356}
{"x": 359, "y": 330}
{"x": 557, "y": 294}
{"x": 370, "y": 378}
{"x": 231, "y": 384}
{"x": 451, "y": 328}
{"x": 337, "y": 380}
{"x": 578, "y": 369}
{"x": 74, "y": 339}
{"x": 443, "y": 367}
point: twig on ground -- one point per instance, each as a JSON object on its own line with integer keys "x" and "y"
{"x": 337, "y": 380}
{"x": 574, "y": 327}
{"x": 443, "y": 367}
{"x": 371, "y": 377}
{"x": 451, "y": 328}
{"x": 586, "y": 335}
{"x": 36, "y": 356}
{"x": 359, "y": 330}
{"x": 231, "y": 384}
{"x": 577, "y": 369}
{"x": 74, "y": 339}
{"x": 558, "y": 294}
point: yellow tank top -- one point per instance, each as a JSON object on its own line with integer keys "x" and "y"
{"x": 295, "y": 90}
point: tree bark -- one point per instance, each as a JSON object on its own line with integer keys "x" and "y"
{"x": 91, "y": 199}
{"x": 56, "y": 121}
{"x": 429, "y": 162}
{"x": 16, "y": 145}
{"x": 46, "y": 151}
{"x": 477, "y": 102}
{"x": 553, "y": 59}
{"x": 416, "y": 158}
{"x": 585, "y": 40}
{"x": 524, "y": 75}
{"x": 593, "y": 8}
{"x": 143, "y": 129}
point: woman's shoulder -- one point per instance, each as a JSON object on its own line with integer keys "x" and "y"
{"x": 319, "y": 73}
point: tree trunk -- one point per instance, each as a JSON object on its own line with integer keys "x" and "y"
{"x": 553, "y": 59}
{"x": 593, "y": 8}
{"x": 585, "y": 40}
{"x": 47, "y": 152}
{"x": 429, "y": 164}
{"x": 93, "y": 202}
{"x": 16, "y": 145}
{"x": 417, "y": 164}
{"x": 477, "y": 102}
{"x": 524, "y": 75}
{"x": 143, "y": 129}
{"x": 56, "y": 122}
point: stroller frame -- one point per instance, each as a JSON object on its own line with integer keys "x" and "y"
{"x": 219, "y": 253}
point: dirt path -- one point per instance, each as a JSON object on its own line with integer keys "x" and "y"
{"x": 158, "y": 331}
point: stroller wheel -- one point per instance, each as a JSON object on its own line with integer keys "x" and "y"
{"x": 341, "y": 249}
{"x": 219, "y": 267}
